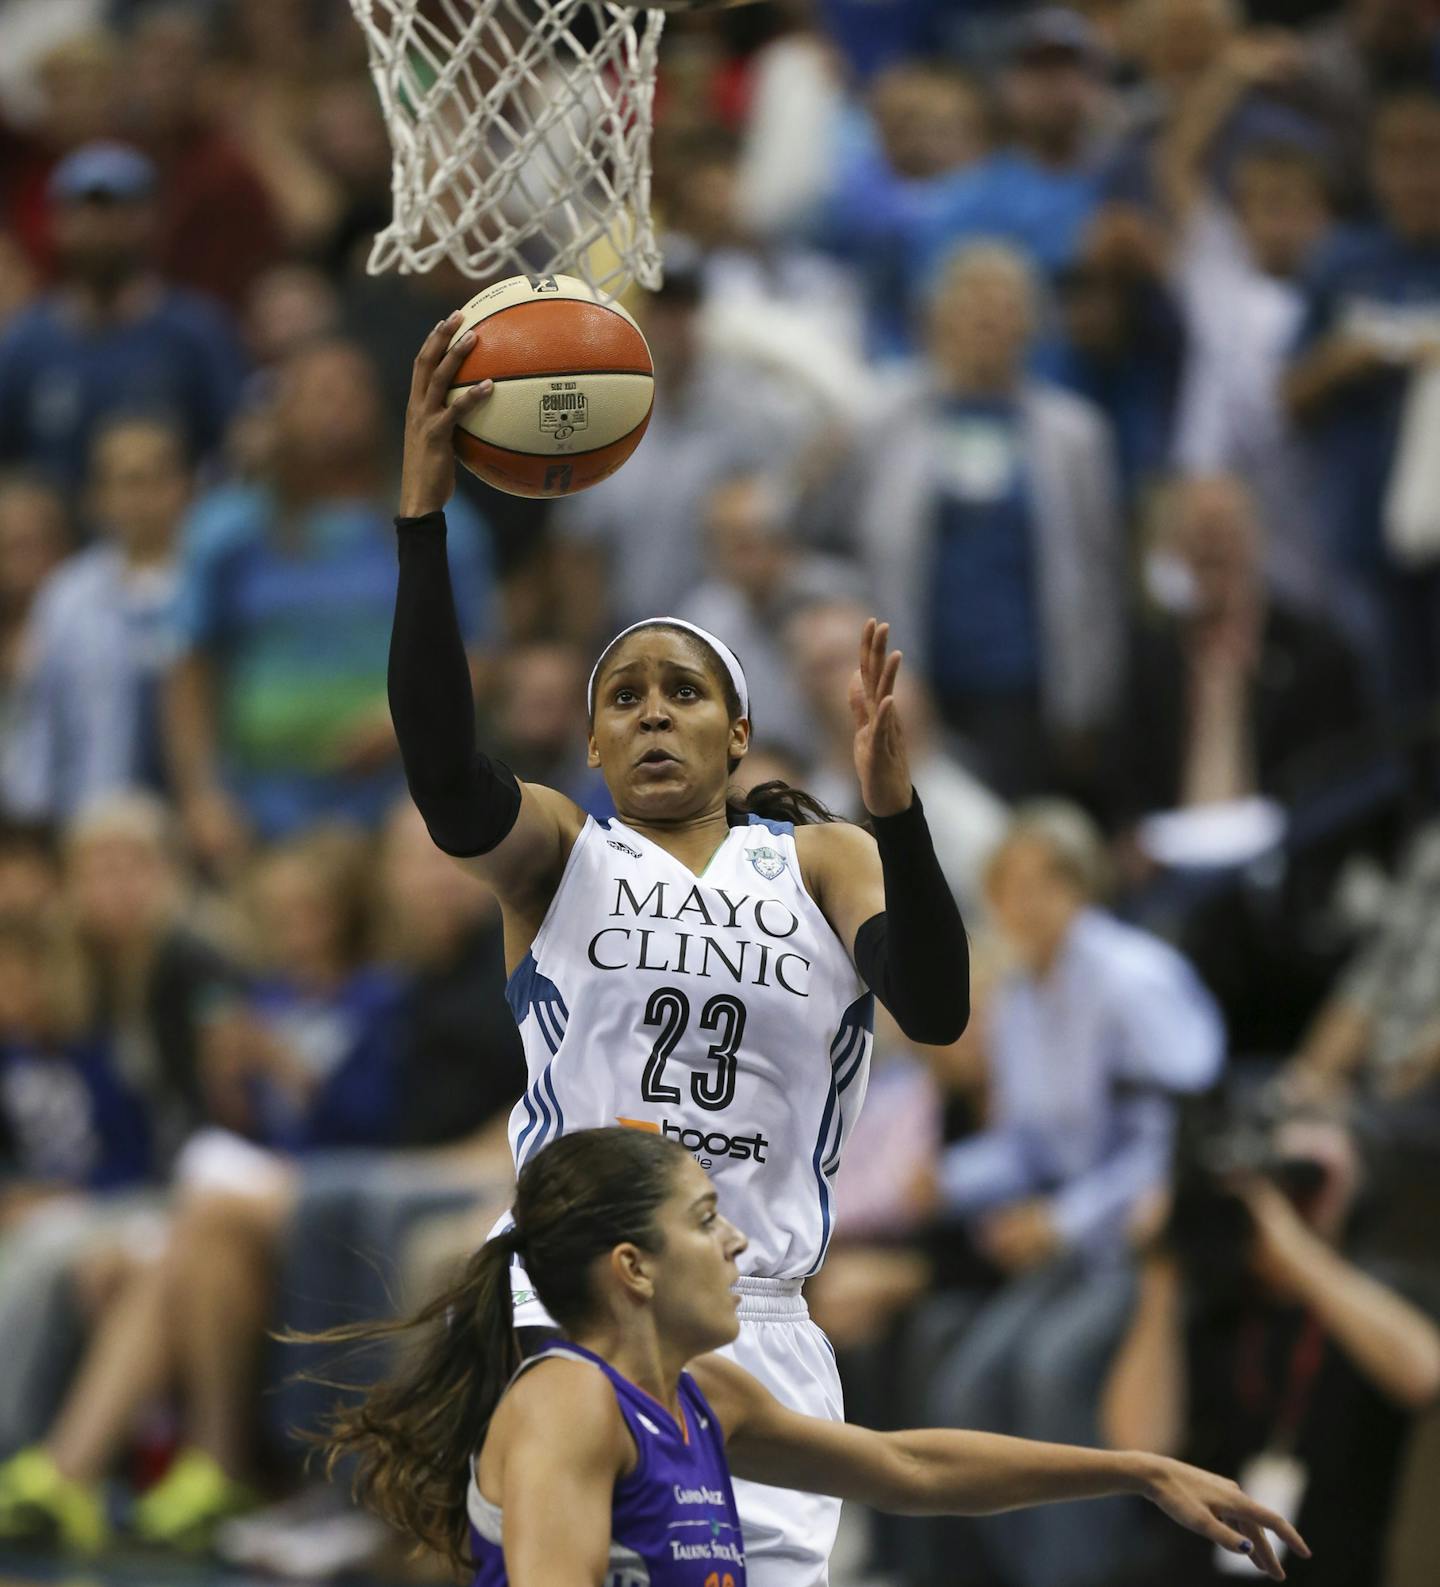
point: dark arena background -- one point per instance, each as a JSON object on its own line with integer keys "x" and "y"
{"x": 1096, "y": 348}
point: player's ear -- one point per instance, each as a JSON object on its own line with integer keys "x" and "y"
{"x": 739, "y": 737}
{"x": 592, "y": 754}
{"x": 632, "y": 1267}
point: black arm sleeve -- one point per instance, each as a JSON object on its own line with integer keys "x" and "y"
{"x": 469, "y": 802}
{"x": 915, "y": 956}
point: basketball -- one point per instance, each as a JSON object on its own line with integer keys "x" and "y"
{"x": 574, "y": 383}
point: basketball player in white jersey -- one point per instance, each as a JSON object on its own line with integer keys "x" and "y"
{"x": 692, "y": 967}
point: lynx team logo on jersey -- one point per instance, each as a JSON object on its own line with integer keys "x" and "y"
{"x": 769, "y": 862}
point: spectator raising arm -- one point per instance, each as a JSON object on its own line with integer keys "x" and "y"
{"x": 1389, "y": 1340}
{"x": 1251, "y": 61}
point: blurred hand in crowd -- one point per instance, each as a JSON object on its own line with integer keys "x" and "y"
{"x": 1126, "y": 242}
{"x": 1283, "y": 1244}
{"x": 1263, "y": 56}
{"x": 1018, "y": 1237}
{"x": 1178, "y": 41}
{"x": 226, "y": 1047}
{"x": 215, "y": 830}
{"x": 237, "y": 1049}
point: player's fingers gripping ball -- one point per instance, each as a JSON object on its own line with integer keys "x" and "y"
{"x": 574, "y": 384}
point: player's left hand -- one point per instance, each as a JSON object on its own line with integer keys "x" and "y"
{"x": 881, "y": 763}
{"x": 1221, "y": 1510}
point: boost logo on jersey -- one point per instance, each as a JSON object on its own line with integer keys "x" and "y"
{"x": 707, "y": 1145}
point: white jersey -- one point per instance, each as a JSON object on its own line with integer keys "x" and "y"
{"x": 719, "y": 1010}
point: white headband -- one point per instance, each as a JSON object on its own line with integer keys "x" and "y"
{"x": 732, "y": 664}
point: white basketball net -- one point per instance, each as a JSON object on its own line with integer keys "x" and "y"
{"x": 520, "y": 135}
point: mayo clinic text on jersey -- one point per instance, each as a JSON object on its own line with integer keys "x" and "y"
{"x": 757, "y": 961}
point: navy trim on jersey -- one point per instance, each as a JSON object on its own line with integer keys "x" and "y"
{"x": 529, "y": 992}
{"x": 847, "y": 1058}
{"x": 527, "y": 986}
{"x": 781, "y": 829}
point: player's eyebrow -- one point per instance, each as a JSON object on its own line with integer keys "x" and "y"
{"x": 688, "y": 668}
{"x": 710, "y": 1198}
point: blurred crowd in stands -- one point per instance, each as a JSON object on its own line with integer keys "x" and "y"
{"x": 1098, "y": 350}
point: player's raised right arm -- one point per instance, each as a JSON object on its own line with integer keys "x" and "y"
{"x": 515, "y": 836}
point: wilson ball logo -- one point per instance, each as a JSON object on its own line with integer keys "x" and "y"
{"x": 562, "y": 413}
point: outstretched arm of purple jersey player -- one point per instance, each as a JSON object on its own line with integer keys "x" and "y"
{"x": 948, "y": 1472}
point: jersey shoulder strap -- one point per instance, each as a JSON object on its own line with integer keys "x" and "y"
{"x": 558, "y": 1350}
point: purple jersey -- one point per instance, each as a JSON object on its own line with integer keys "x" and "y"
{"x": 673, "y": 1520}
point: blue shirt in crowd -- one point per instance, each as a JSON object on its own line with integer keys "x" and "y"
{"x": 348, "y": 1044}
{"x": 295, "y": 618}
{"x": 87, "y": 709}
{"x": 1009, "y": 197}
{"x": 868, "y": 221}
{"x": 66, "y": 1118}
{"x": 984, "y": 617}
{"x": 1085, "y": 1066}
{"x": 1372, "y": 284}
{"x": 59, "y": 379}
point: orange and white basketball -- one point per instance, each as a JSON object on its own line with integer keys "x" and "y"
{"x": 574, "y": 384}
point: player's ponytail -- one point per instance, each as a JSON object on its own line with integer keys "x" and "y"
{"x": 408, "y": 1442}
{"x": 778, "y": 801}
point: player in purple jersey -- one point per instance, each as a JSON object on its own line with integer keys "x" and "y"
{"x": 605, "y": 1460}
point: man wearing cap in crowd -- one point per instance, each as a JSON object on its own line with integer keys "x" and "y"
{"x": 111, "y": 336}
{"x": 1040, "y": 187}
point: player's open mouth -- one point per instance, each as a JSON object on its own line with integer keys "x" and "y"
{"x": 658, "y": 757}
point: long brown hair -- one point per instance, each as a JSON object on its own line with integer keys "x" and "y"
{"x": 771, "y": 801}
{"x": 412, "y": 1436}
